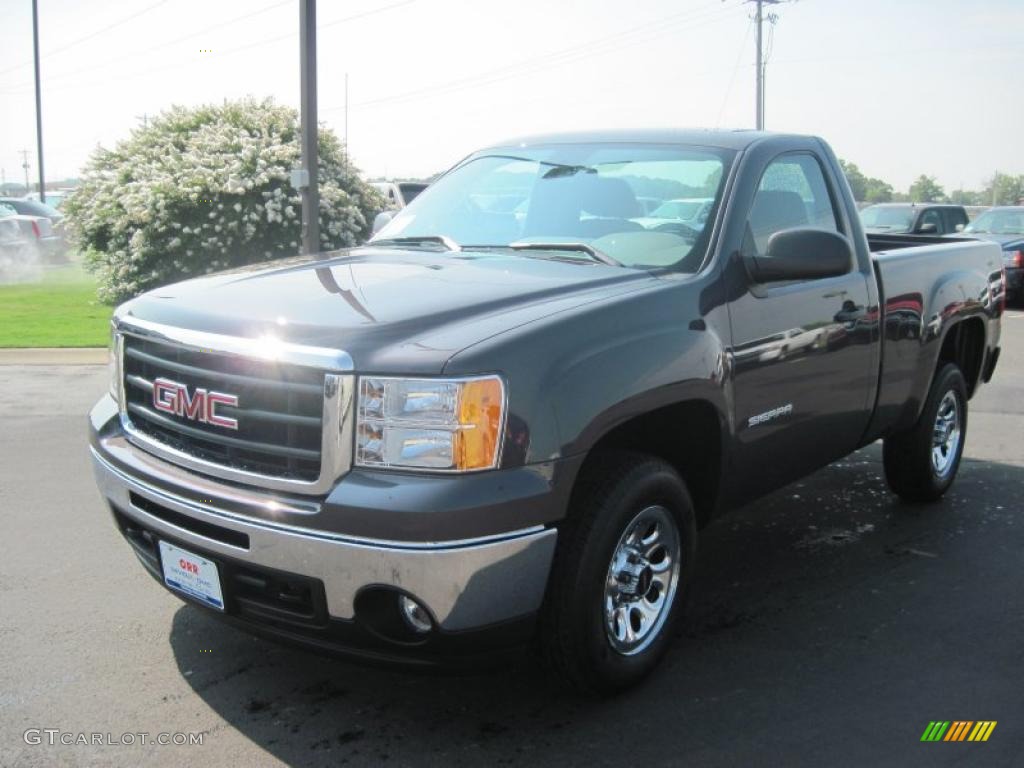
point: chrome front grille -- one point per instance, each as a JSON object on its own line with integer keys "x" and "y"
{"x": 293, "y": 420}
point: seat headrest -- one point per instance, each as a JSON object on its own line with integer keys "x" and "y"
{"x": 776, "y": 209}
{"x": 608, "y": 197}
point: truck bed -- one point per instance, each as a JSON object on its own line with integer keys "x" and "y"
{"x": 881, "y": 242}
{"x": 969, "y": 274}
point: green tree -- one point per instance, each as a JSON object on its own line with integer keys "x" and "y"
{"x": 926, "y": 190}
{"x": 204, "y": 189}
{"x": 966, "y": 197}
{"x": 1003, "y": 189}
{"x": 858, "y": 181}
{"x": 878, "y": 191}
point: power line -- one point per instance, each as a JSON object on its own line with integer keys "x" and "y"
{"x": 247, "y": 46}
{"x": 149, "y": 50}
{"x": 603, "y": 45}
{"x": 90, "y": 36}
{"x": 735, "y": 69}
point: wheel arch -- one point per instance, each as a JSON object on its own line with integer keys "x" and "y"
{"x": 691, "y": 435}
{"x": 964, "y": 345}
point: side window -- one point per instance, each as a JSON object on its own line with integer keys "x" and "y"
{"x": 792, "y": 193}
{"x": 953, "y": 218}
{"x": 931, "y": 216}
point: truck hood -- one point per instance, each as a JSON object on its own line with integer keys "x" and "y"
{"x": 392, "y": 310}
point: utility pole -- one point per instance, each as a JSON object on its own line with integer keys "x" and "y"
{"x": 24, "y": 166}
{"x": 144, "y": 117}
{"x": 759, "y": 66}
{"x": 346, "y": 121}
{"x": 309, "y": 187}
{"x": 759, "y": 95}
{"x": 39, "y": 105}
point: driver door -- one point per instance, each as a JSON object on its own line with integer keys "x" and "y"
{"x": 802, "y": 355}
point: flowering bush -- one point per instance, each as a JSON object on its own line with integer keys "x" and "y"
{"x": 205, "y": 189}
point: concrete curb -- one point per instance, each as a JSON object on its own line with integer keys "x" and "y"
{"x": 54, "y": 356}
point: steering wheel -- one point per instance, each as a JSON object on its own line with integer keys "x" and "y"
{"x": 678, "y": 228}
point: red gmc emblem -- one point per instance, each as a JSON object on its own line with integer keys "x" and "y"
{"x": 172, "y": 397}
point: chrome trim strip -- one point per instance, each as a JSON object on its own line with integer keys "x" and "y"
{"x": 463, "y": 587}
{"x": 336, "y": 447}
{"x": 161, "y": 496}
{"x": 237, "y": 496}
{"x": 268, "y": 347}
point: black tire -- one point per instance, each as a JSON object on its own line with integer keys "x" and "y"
{"x": 909, "y": 467}
{"x": 615, "y": 490}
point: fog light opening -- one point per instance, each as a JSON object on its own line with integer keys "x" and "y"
{"x": 415, "y": 615}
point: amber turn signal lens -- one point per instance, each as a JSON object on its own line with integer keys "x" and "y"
{"x": 479, "y": 436}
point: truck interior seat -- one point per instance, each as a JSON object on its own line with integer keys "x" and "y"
{"x": 774, "y": 210}
{"x": 609, "y": 205}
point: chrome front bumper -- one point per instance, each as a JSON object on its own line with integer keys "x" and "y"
{"x": 464, "y": 584}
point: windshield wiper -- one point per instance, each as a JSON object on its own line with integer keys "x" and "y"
{"x": 443, "y": 240}
{"x": 590, "y": 250}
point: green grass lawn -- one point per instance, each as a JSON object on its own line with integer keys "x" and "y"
{"x": 59, "y": 311}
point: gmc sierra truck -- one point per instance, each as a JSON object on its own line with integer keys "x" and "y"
{"x": 502, "y": 421}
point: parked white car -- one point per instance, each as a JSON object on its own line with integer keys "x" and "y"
{"x": 692, "y": 211}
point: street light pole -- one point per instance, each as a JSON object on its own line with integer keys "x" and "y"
{"x": 308, "y": 128}
{"x": 39, "y": 104}
{"x": 759, "y": 96}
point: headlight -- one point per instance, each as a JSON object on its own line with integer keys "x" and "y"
{"x": 114, "y": 365}
{"x": 438, "y": 424}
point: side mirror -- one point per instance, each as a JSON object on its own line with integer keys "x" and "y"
{"x": 928, "y": 228}
{"x": 381, "y": 220}
{"x": 802, "y": 254}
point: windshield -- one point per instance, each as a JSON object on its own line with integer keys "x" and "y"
{"x": 678, "y": 209}
{"x": 588, "y": 194}
{"x": 1006, "y": 222}
{"x": 879, "y": 217}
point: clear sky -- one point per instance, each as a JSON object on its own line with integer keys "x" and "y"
{"x": 900, "y": 87}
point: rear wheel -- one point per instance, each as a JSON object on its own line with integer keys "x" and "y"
{"x": 921, "y": 463}
{"x": 626, "y": 552}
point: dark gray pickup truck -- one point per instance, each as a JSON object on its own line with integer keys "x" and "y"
{"x": 502, "y": 422}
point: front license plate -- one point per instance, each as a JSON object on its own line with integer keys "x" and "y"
{"x": 192, "y": 575}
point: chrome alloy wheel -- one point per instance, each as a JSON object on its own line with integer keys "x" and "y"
{"x": 642, "y": 580}
{"x": 946, "y": 435}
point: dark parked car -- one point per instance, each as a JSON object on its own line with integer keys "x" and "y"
{"x": 488, "y": 427}
{"x": 913, "y": 218}
{"x": 1005, "y": 225}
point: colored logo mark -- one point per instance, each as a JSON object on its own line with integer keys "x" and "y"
{"x": 958, "y": 730}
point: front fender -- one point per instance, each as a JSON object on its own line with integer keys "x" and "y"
{"x": 575, "y": 375}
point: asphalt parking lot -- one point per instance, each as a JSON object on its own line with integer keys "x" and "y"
{"x": 828, "y": 625}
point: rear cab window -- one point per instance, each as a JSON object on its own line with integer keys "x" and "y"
{"x": 931, "y": 216}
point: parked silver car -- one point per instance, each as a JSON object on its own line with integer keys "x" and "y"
{"x": 41, "y": 224}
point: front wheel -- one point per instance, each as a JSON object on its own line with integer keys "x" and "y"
{"x": 626, "y": 553}
{"x": 921, "y": 463}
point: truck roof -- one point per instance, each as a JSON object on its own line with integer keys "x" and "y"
{"x": 721, "y": 139}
